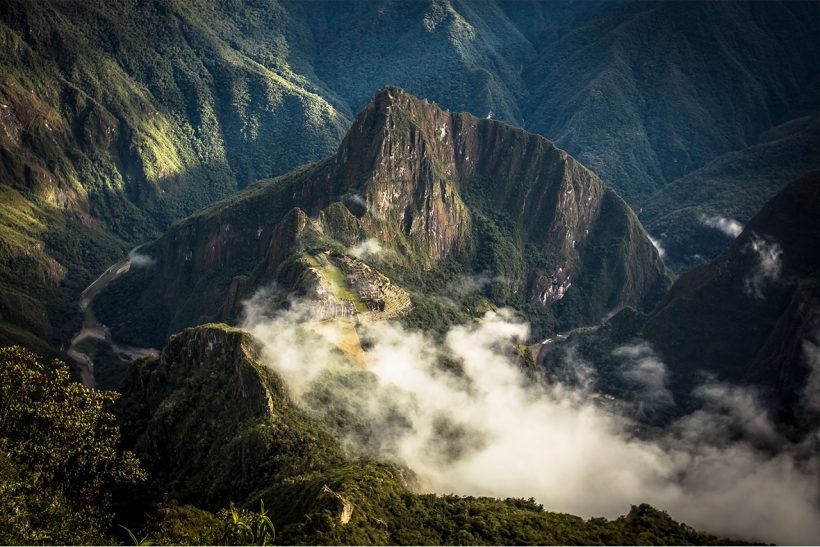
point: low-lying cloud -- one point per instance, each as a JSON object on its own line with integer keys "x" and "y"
{"x": 729, "y": 226}
{"x": 490, "y": 430}
{"x": 644, "y": 369}
{"x": 369, "y": 249}
{"x": 139, "y": 260}
{"x": 658, "y": 246}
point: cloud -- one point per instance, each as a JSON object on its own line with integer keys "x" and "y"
{"x": 767, "y": 268}
{"x": 658, "y": 246}
{"x": 729, "y": 412}
{"x": 644, "y": 369}
{"x": 461, "y": 414}
{"x": 369, "y": 249}
{"x": 465, "y": 285}
{"x": 729, "y": 226}
{"x": 575, "y": 372}
{"x": 139, "y": 260}
{"x": 355, "y": 202}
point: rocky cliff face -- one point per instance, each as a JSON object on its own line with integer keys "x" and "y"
{"x": 426, "y": 187}
{"x": 412, "y": 162}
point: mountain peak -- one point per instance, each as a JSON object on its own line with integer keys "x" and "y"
{"x": 390, "y": 94}
{"x": 427, "y": 186}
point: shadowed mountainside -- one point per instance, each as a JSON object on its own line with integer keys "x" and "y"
{"x": 117, "y": 119}
{"x": 684, "y": 213}
{"x": 748, "y": 317}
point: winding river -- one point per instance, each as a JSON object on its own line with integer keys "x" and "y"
{"x": 93, "y": 329}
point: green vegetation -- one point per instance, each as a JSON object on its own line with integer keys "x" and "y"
{"x": 336, "y": 279}
{"x": 110, "y": 367}
{"x": 210, "y": 423}
{"x": 243, "y": 527}
{"x": 644, "y": 94}
{"x": 710, "y": 322}
{"x": 733, "y": 186}
{"x": 60, "y": 463}
{"x": 47, "y": 257}
{"x": 118, "y": 119}
{"x": 517, "y": 230}
{"x": 213, "y": 424}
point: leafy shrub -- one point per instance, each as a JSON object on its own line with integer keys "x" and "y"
{"x": 244, "y": 527}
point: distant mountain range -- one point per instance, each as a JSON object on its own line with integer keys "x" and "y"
{"x": 444, "y": 224}
{"x": 118, "y": 119}
{"x": 696, "y": 216}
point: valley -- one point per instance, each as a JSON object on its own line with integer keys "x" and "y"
{"x": 230, "y": 107}
{"x": 414, "y": 272}
{"x": 93, "y": 330}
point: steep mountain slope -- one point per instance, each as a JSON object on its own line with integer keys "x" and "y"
{"x": 212, "y": 425}
{"x": 686, "y": 214}
{"x": 48, "y": 256}
{"x": 645, "y": 92}
{"x": 764, "y": 278}
{"x": 117, "y": 119}
{"x": 750, "y": 316}
{"x": 465, "y": 55}
{"x": 111, "y": 116}
{"x": 440, "y": 195}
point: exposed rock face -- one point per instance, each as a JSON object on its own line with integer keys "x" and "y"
{"x": 418, "y": 161}
{"x": 343, "y": 508}
{"x": 427, "y": 186}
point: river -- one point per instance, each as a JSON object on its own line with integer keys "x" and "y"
{"x": 93, "y": 329}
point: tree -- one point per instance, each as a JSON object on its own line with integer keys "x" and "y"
{"x": 59, "y": 453}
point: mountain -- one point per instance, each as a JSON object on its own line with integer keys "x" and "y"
{"x": 646, "y": 92}
{"x": 438, "y": 196}
{"x": 48, "y": 256}
{"x": 696, "y": 216}
{"x": 359, "y": 47}
{"x": 748, "y": 300}
{"x": 118, "y": 119}
{"x": 211, "y": 424}
{"x": 748, "y": 317}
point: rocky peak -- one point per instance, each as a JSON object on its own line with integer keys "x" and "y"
{"x": 412, "y": 164}
{"x": 427, "y": 185}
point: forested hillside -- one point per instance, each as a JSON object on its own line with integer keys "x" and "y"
{"x": 117, "y": 119}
